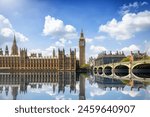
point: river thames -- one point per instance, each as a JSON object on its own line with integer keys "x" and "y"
{"x": 70, "y": 86}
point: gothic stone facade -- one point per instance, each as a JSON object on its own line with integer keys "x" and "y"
{"x": 22, "y": 61}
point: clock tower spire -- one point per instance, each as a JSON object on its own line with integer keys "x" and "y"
{"x": 81, "y": 49}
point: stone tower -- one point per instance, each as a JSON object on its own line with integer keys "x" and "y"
{"x": 54, "y": 55}
{"x": 6, "y": 50}
{"x": 72, "y": 59}
{"x": 14, "y": 49}
{"x": 81, "y": 49}
{"x": 61, "y": 59}
{"x": 23, "y": 57}
{"x": 1, "y": 51}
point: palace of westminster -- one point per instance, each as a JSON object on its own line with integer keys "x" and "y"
{"x": 19, "y": 60}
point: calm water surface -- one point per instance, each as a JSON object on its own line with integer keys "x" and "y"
{"x": 70, "y": 86}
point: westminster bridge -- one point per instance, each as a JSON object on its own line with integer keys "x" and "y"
{"x": 127, "y": 70}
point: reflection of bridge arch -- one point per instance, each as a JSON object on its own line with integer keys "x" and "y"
{"x": 95, "y": 70}
{"x": 118, "y": 84}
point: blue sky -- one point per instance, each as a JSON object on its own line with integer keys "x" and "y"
{"x": 41, "y": 25}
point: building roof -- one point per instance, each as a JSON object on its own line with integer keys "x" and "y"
{"x": 105, "y": 55}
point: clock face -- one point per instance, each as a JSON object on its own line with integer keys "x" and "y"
{"x": 81, "y": 43}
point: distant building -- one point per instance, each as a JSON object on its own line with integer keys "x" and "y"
{"x": 19, "y": 60}
{"x": 104, "y": 58}
{"x": 91, "y": 61}
{"x": 138, "y": 55}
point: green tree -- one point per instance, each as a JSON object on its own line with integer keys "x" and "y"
{"x": 85, "y": 66}
{"x": 127, "y": 59}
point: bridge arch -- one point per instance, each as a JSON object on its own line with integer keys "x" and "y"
{"x": 141, "y": 70}
{"x": 95, "y": 70}
{"x": 123, "y": 64}
{"x": 121, "y": 70}
{"x": 100, "y": 70}
{"x": 108, "y": 70}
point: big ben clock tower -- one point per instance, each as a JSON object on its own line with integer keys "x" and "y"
{"x": 81, "y": 49}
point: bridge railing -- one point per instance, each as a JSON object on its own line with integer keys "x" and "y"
{"x": 133, "y": 63}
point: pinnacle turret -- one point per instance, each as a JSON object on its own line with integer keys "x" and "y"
{"x": 14, "y": 49}
{"x": 6, "y": 50}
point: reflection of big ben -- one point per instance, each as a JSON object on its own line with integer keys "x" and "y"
{"x": 82, "y": 49}
{"x": 82, "y": 87}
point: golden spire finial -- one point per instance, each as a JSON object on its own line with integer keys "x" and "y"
{"x": 82, "y": 35}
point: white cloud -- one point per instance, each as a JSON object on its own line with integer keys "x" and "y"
{"x": 46, "y": 52}
{"x": 93, "y": 55}
{"x": 7, "y": 31}
{"x": 89, "y": 40}
{"x": 69, "y": 42}
{"x": 145, "y": 41}
{"x": 144, "y": 3}
{"x": 70, "y": 29}
{"x": 51, "y": 93}
{"x": 21, "y": 36}
{"x": 10, "y": 3}
{"x": 97, "y": 49}
{"x": 132, "y": 47}
{"x": 126, "y": 8}
{"x": 4, "y": 22}
{"x": 128, "y": 26}
{"x": 52, "y": 26}
{"x": 59, "y": 44}
{"x": 97, "y": 92}
{"x": 50, "y": 48}
{"x": 101, "y": 37}
{"x": 57, "y": 29}
{"x": 62, "y": 40}
{"x": 131, "y": 93}
{"x": 35, "y": 51}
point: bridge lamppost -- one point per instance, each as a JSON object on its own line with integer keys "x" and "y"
{"x": 113, "y": 67}
{"x": 131, "y": 60}
{"x": 103, "y": 67}
{"x": 144, "y": 57}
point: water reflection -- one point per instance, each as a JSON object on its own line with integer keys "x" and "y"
{"x": 19, "y": 82}
{"x": 107, "y": 83}
{"x": 82, "y": 87}
{"x": 69, "y": 85}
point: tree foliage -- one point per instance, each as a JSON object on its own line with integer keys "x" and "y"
{"x": 85, "y": 66}
{"x": 127, "y": 59}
